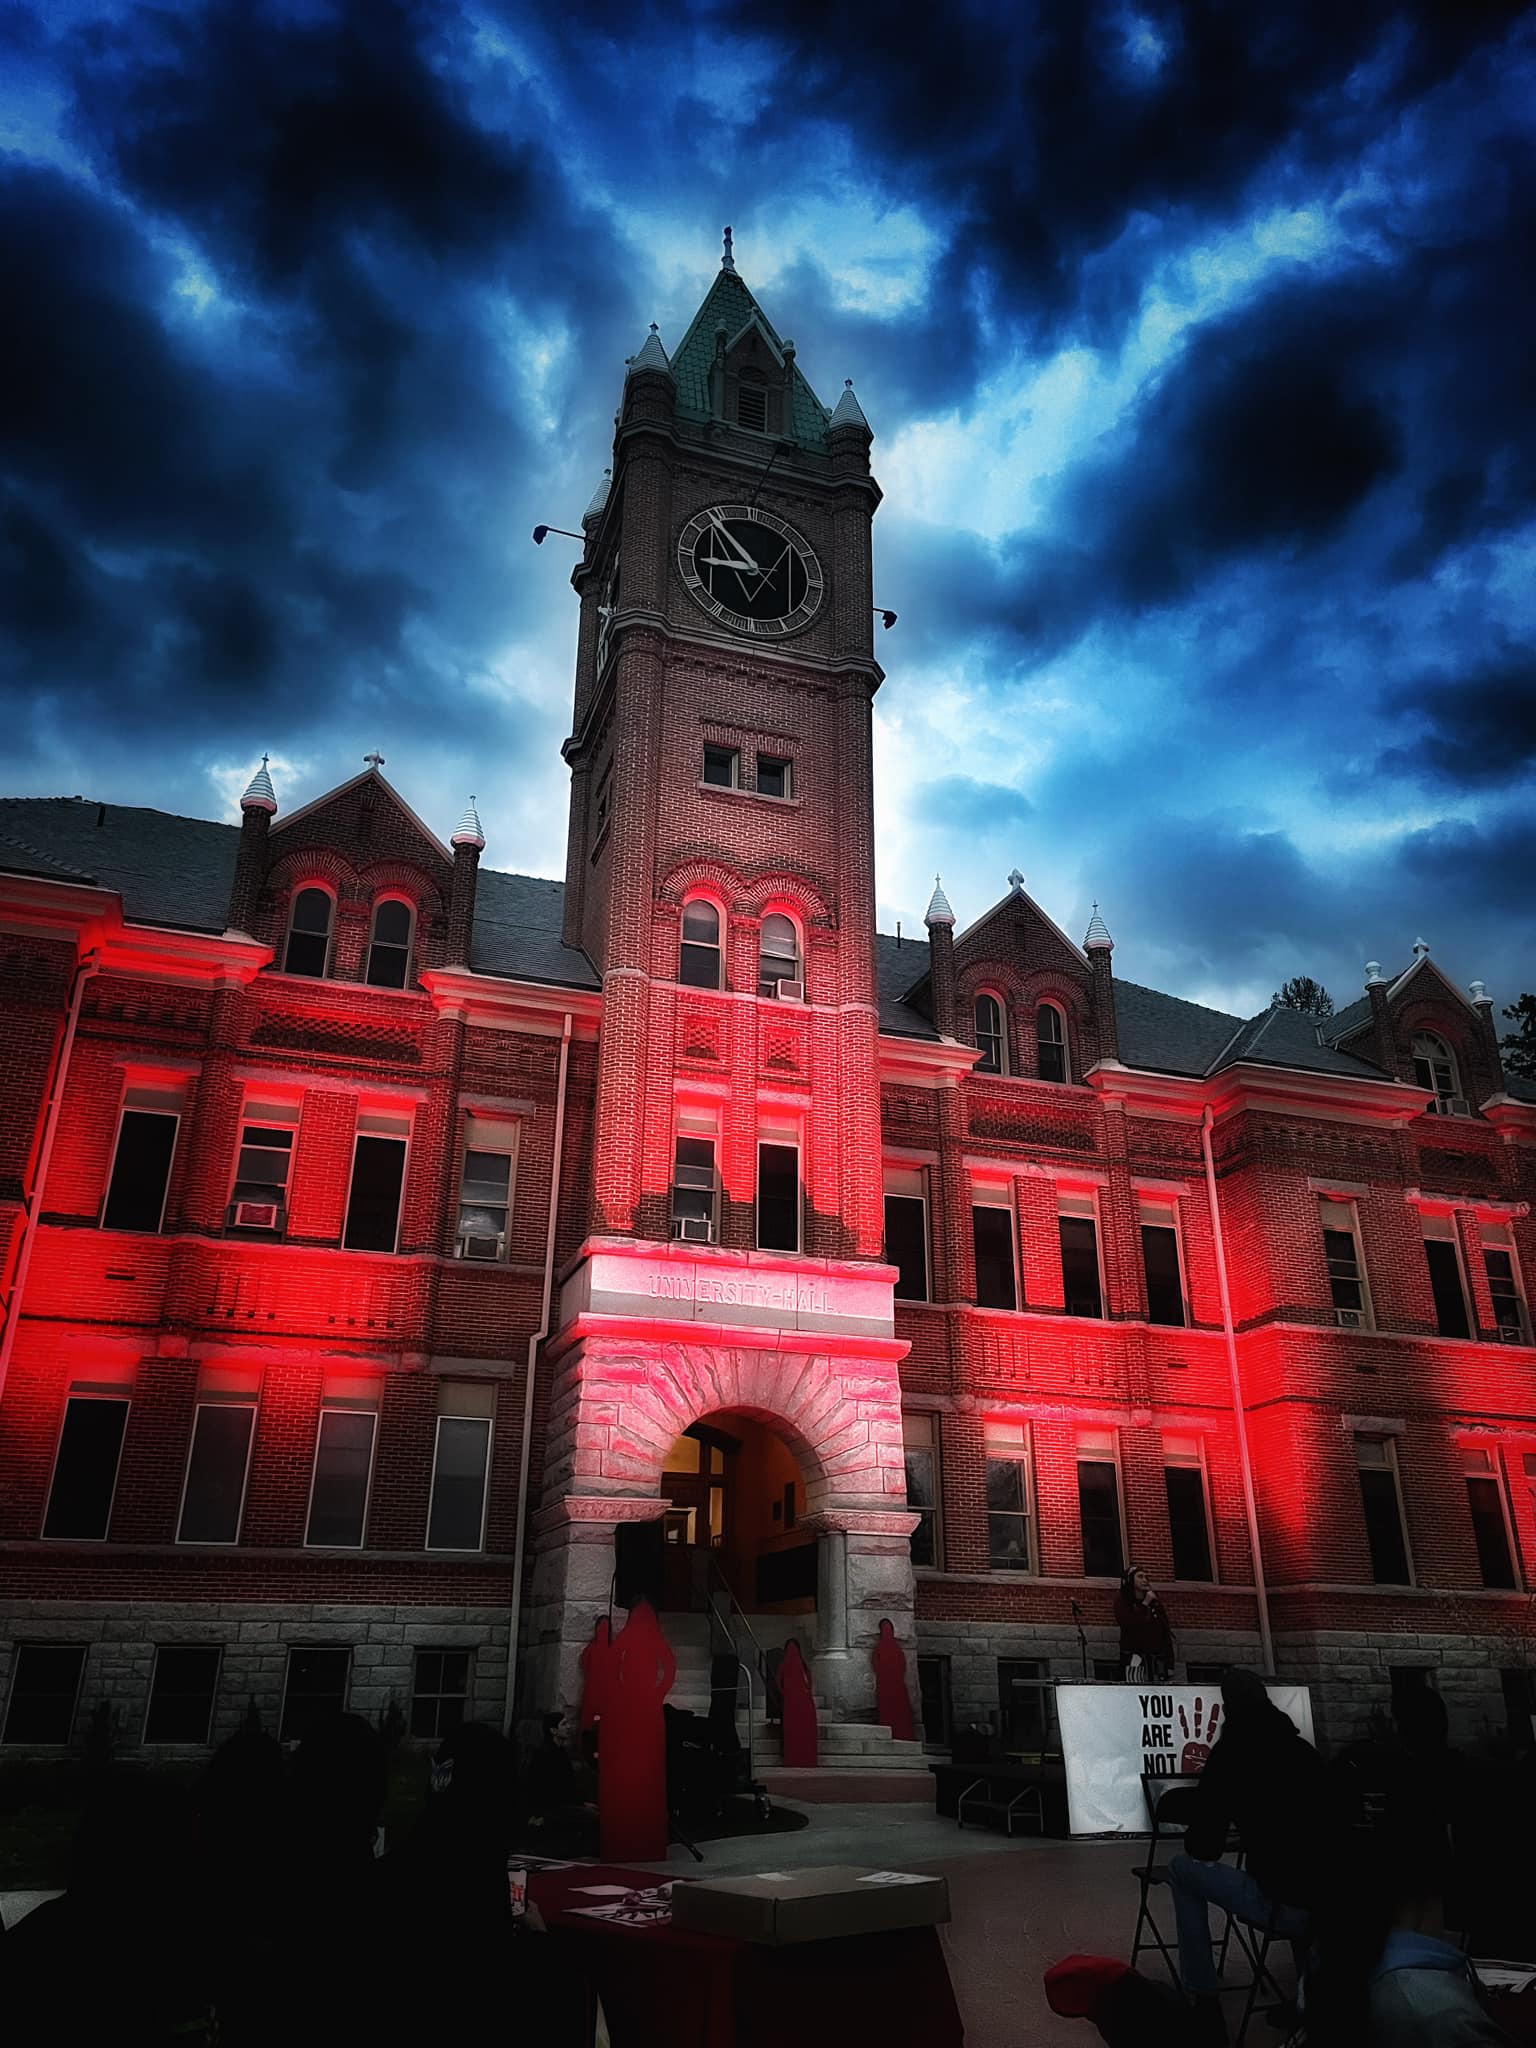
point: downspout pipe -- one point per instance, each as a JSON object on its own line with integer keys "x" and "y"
{"x": 520, "y": 1543}
{"x": 1244, "y": 1453}
{"x": 33, "y": 1201}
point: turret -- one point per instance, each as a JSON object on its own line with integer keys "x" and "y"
{"x": 468, "y": 845}
{"x": 258, "y": 807}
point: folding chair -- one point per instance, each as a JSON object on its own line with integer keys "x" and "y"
{"x": 1255, "y": 1943}
{"x": 1170, "y": 1802}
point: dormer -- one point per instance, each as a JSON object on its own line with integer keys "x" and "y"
{"x": 752, "y": 377}
{"x": 1420, "y": 1026}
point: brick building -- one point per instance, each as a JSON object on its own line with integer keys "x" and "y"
{"x": 382, "y": 1233}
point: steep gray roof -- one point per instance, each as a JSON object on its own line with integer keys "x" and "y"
{"x": 1282, "y": 1037}
{"x": 168, "y": 870}
{"x": 1343, "y": 1023}
{"x": 517, "y": 931}
{"x": 900, "y": 964}
{"x": 1168, "y": 1034}
{"x": 177, "y": 872}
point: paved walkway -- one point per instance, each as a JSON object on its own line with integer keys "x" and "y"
{"x": 1017, "y": 1905}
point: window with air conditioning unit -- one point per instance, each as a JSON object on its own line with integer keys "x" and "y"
{"x": 485, "y": 1190}
{"x": 1346, "y": 1269}
{"x": 258, "y": 1200}
{"x": 778, "y": 960}
{"x": 694, "y": 1178}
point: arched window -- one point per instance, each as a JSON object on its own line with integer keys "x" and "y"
{"x": 1434, "y": 1066}
{"x": 309, "y": 933}
{"x": 389, "y": 948}
{"x": 698, "y": 962}
{"x": 1051, "y": 1043}
{"x": 989, "y": 1036}
{"x": 778, "y": 954}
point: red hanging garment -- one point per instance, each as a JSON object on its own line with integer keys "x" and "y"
{"x": 800, "y": 1752}
{"x": 632, "y": 1743}
{"x": 893, "y": 1703}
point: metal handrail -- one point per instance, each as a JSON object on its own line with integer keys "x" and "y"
{"x": 735, "y": 1608}
{"x": 741, "y": 1615}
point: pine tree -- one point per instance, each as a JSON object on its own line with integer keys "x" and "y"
{"x": 1301, "y": 992}
{"x": 1519, "y": 1047}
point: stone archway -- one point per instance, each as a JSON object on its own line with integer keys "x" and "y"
{"x": 616, "y": 1409}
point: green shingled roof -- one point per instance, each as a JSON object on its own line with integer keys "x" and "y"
{"x": 728, "y": 303}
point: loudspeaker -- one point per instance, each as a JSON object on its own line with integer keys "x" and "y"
{"x": 639, "y": 1562}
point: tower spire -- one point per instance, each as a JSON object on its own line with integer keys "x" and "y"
{"x": 728, "y": 259}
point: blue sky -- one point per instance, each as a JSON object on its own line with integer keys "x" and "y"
{"x": 1197, "y": 342}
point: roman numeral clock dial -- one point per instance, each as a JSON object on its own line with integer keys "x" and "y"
{"x": 750, "y": 571}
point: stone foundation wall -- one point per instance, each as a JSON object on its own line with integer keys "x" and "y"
{"x": 255, "y": 1639}
{"x": 1350, "y": 1677}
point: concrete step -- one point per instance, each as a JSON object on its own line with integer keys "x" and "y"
{"x": 844, "y": 1786}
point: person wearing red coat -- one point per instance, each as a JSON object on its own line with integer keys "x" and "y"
{"x": 893, "y": 1703}
{"x": 800, "y": 1734}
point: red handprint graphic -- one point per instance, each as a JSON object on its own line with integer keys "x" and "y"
{"x": 1196, "y": 1753}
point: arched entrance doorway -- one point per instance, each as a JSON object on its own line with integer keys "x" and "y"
{"x": 734, "y": 1519}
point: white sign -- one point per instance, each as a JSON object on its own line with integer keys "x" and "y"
{"x": 1111, "y": 1734}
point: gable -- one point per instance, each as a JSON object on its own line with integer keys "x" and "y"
{"x": 365, "y": 820}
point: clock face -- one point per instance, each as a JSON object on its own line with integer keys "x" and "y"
{"x": 749, "y": 570}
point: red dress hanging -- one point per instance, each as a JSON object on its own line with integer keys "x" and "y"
{"x": 596, "y": 1674}
{"x": 800, "y": 1738}
{"x": 893, "y": 1703}
{"x": 632, "y": 1743}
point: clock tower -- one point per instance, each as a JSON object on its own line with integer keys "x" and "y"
{"x": 720, "y": 877}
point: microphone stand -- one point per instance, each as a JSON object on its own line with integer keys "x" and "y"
{"x": 1082, "y": 1640}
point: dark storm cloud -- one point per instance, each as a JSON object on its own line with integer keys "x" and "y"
{"x": 262, "y": 433}
{"x": 1480, "y": 727}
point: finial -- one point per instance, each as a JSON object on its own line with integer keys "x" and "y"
{"x": 1374, "y": 978}
{"x": 260, "y": 795}
{"x": 594, "y": 511}
{"x": 1421, "y": 949}
{"x": 652, "y": 355}
{"x": 1097, "y": 934}
{"x": 1015, "y": 882}
{"x": 375, "y": 760}
{"x": 1478, "y": 990}
{"x": 848, "y": 412}
{"x": 468, "y": 831}
{"x": 938, "y": 911}
{"x": 728, "y": 260}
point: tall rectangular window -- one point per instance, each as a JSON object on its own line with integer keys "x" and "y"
{"x": 1443, "y": 1255}
{"x": 378, "y": 1177}
{"x": 85, "y": 1467}
{"x": 920, "y": 1438}
{"x": 1080, "y": 1277}
{"x": 1160, "y": 1261}
{"x": 485, "y": 1188}
{"x": 906, "y": 1230}
{"x": 213, "y": 1496}
{"x": 1382, "y": 1500}
{"x": 338, "y": 1494}
{"x": 461, "y": 1462}
{"x": 315, "y": 1690}
{"x": 778, "y": 1193}
{"x": 439, "y": 1692}
{"x": 45, "y": 1686}
{"x": 722, "y": 767}
{"x": 181, "y": 1693}
{"x": 141, "y": 1159}
{"x": 264, "y": 1166}
{"x": 992, "y": 1235}
{"x": 1098, "y": 1503}
{"x": 1511, "y": 1316}
{"x": 1346, "y": 1270}
{"x": 1189, "y": 1515}
{"x": 1490, "y": 1520}
{"x": 1010, "y": 1516}
{"x": 695, "y": 1179}
{"x": 775, "y": 775}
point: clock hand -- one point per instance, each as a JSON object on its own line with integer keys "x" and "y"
{"x": 745, "y": 560}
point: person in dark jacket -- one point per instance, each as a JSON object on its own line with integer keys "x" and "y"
{"x": 1269, "y": 1785}
{"x": 1146, "y": 1640}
